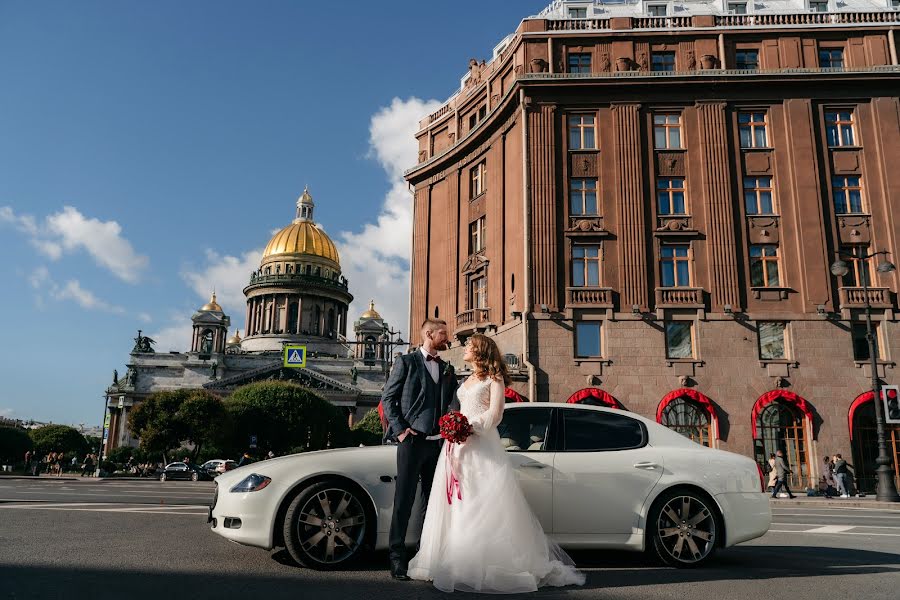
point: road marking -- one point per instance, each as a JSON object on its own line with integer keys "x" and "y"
{"x": 795, "y": 532}
{"x": 832, "y": 514}
{"x": 820, "y": 525}
{"x": 112, "y": 495}
{"x": 830, "y": 529}
{"x": 81, "y": 507}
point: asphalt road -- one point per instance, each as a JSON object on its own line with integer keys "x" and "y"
{"x": 136, "y": 540}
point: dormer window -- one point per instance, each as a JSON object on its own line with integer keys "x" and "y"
{"x": 894, "y": 4}
{"x": 737, "y": 8}
{"x": 818, "y": 6}
{"x": 657, "y": 10}
{"x": 578, "y": 13}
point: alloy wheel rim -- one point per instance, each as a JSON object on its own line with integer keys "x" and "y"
{"x": 331, "y": 526}
{"x": 687, "y": 529}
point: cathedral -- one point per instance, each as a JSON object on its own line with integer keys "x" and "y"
{"x": 296, "y": 296}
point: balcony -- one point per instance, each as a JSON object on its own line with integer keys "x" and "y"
{"x": 472, "y": 320}
{"x": 855, "y": 297}
{"x": 601, "y": 297}
{"x": 679, "y": 297}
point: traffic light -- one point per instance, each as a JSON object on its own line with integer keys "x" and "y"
{"x": 891, "y": 396}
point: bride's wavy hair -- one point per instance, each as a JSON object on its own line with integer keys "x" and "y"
{"x": 488, "y": 362}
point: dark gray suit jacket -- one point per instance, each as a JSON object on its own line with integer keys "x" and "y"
{"x": 405, "y": 401}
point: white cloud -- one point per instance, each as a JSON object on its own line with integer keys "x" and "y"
{"x": 46, "y": 288}
{"x": 70, "y": 231}
{"x": 174, "y": 336}
{"x": 228, "y": 276}
{"x": 376, "y": 259}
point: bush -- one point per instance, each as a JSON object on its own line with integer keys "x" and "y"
{"x": 14, "y": 443}
{"x": 368, "y": 430}
{"x": 283, "y": 417}
{"x": 58, "y": 438}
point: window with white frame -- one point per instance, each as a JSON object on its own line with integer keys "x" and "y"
{"x": 667, "y": 131}
{"x": 657, "y": 10}
{"x": 758, "y": 196}
{"x": 476, "y": 235}
{"x": 582, "y": 132}
{"x": 679, "y": 339}
{"x": 670, "y": 194}
{"x": 839, "y": 127}
{"x": 675, "y": 265}
{"x": 583, "y": 196}
{"x": 752, "y": 129}
{"x": 477, "y": 178}
{"x": 585, "y": 265}
{"x": 847, "y": 195}
{"x": 764, "y": 265}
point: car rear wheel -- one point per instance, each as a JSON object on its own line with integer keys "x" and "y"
{"x": 162, "y": 477}
{"x": 683, "y": 526}
{"x": 325, "y": 526}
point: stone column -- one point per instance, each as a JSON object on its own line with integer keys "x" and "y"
{"x": 544, "y": 246}
{"x": 716, "y": 189}
{"x": 630, "y": 204}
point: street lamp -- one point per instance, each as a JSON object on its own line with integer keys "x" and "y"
{"x": 386, "y": 339}
{"x": 887, "y": 489}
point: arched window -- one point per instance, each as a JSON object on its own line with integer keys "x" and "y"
{"x": 781, "y": 425}
{"x": 330, "y": 327}
{"x": 689, "y": 419}
{"x": 369, "y": 351}
{"x": 864, "y": 442}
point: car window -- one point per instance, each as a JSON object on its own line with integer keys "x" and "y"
{"x": 588, "y": 430}
{"x": 525, "y": 429}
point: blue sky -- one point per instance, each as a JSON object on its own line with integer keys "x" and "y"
{"x": 149, "y": 149}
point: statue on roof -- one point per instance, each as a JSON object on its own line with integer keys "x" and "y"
{"x": 142, "y": 344}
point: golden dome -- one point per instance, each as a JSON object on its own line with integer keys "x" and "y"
{"x": 212, "y": 305}
{"x": 371, "y": 313}
{"x": 234, "y": 340}
{"x": 302, "y": 237}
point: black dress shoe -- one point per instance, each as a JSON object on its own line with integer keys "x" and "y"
{"x": 398, "y": 571}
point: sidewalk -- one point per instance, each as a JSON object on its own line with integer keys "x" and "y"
{"x": 822, "y": 502}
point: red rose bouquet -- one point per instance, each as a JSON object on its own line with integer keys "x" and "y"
{"x": 455, "y": 427}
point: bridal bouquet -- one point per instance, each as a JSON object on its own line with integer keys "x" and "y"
{"x": 455, "y": 427}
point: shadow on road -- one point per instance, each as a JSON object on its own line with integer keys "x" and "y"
{"x": 606, "y": 571}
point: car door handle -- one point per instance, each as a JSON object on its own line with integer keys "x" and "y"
{"x": 536, "y": 465}
{"x": 646, "y": 465}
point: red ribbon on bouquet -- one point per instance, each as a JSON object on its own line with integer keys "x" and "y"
{"x": 453, "y": 484}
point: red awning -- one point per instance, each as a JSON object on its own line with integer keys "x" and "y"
{"x": 697, "y": 397}
{"x": 512, "y": 395}
{"x": 786, "y": 396}
{"x": 594, "y": 396}
{"x": 860, "y": 400}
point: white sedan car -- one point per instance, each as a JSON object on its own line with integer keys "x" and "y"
{"x": 595, "y": 477}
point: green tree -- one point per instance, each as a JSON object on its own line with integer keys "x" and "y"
{"x": 93, "y": 442}
{"x": 368, "y": 430}
{"x": 166, "y": 419}
{"x": 58, "y": 438}
{"x": 14, "y": 443}
{"x": 285, "y": 417}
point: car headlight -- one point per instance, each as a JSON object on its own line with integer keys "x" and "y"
{"x": 252, "y": 483}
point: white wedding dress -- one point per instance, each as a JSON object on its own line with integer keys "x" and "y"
{"x": 480, "y": 535}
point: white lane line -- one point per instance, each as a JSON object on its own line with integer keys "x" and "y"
{"x": 112, "y": 510}
{"x": 838, "y": 507}
{"x": 832, "y": 515}
{"x": 830, "y": 529}
{"x": 820, "y": 525}
{"x": 193, "y": 497}
{"x": 795, "y": 532}
{"x": 166, "y": 507}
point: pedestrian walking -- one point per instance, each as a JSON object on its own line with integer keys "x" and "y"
{"x": 781, "y": 472}
{"x": 88, "y": 466}
{"x": 772, "y": 475}
{"x": 842, "y": 475}
{"x": 60, "y": 464}
{"x": 828, "y": 481}
{"x": 28, "y": 456}
{"x": 246, "y": 459}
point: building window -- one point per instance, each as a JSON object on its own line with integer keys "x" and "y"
{"x": 747, "y": 60}
{"x": 839, "y": 127}
{"x": 895, "y": 4}
{"x": 771, "y": 341}
{"x": 737, "y": 8}
{"x": 859, "y": 272}
{"x": 578, "y": 13}
{"x": 656, "y": 10}
{"x": 587, "y": 339}
{"x": 670, "y": 196}
{"x": 752, "y": 128}
{"x": 477, "y": 177}
{"x": 476, "y": 236}
{"x": 667, "y": 132}
{"x": 675, "y": 266}
{"x": 831, "y": 59}
{"x": 478, "y": 293}
{"x": 663, "y": 61}
{"x": 847, "y": 194}
{"x": 758, "y": 196}
{"x": 679, "y": 339}
{"x": 582, "y": 132}
{"x": 818, "y": 5}
{"x": 580, "y": 62}
{"x": 688, "y": 418}
{"x": 764, "y": 265}
{"x": 585, "y": 265}
{"x": 583, "y": 197}
{"x": 482, "y": 112}
{"x": 861, "y": 344}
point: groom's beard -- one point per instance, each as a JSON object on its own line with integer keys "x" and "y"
{"x": 440, "y": 347}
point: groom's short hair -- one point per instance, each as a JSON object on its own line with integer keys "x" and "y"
{"x": 432, "y": 324}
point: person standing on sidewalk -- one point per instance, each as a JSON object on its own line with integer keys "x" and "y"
{"x": 781, "y": 472}
{"x": 773, "y": 477}
{"x": 841, "y": 475}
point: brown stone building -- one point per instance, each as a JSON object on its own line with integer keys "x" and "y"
{"x": 641, "y": 204}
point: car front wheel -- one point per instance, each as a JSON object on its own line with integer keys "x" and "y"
{"x": 325, "y": 526}
{"x": 683, "y": 526}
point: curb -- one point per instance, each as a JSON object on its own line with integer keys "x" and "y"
{"x": 836, "y": 503}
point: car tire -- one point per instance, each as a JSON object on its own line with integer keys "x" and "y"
{"x": 683, "y": 528}
{"x": 322, "y": 541}
{"x": 195, "y": 476}
{"x": 162, "y": 476}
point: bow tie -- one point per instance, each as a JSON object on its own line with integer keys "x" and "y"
{"x": 430, "y": 357}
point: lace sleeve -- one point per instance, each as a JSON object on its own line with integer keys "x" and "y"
{"x": 491, "y": 417}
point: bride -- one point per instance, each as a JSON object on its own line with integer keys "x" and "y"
{"x": 479, "y": 534}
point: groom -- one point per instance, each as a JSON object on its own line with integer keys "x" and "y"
{"x": 418, "y": 392}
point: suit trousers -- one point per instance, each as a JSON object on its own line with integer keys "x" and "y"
{"x": 416, "y": 461}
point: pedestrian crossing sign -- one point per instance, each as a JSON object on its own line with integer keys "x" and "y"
{"x": 294, "y": 356}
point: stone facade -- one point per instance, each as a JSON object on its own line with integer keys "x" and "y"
{"x": 544, "y": 206}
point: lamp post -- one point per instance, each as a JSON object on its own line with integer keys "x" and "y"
{"x": 887, "y": 489}
{"x": 387, "y": 347}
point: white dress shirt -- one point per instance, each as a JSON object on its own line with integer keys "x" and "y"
{"x": 432, "y": 365}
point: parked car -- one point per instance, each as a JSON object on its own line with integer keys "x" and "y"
{"x": 181, "y": 470}
{"x": 595, "y": 478}
{"x": 217, "y": 466}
